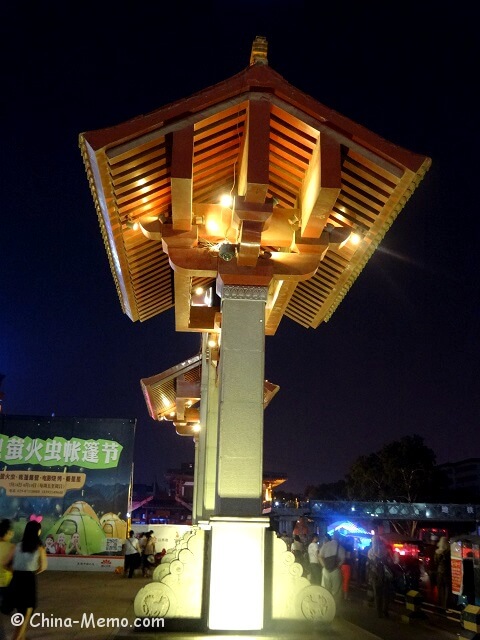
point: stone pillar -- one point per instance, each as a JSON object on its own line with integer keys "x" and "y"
{"x": 236, "y": 595}
{"x": 206, "y": 478}
{"x": 240, "y": 414}
{"x": 197, "y": 472}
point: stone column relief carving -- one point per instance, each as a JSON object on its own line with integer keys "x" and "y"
{"x": 293, "y": 597}
{"x": 239, "y": 292}
{"x": 176, "y": 590}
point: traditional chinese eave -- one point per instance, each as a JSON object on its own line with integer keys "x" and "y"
{"x": 306, "y": 180}
{"x": 174, "y": 395}
{"x": 257, "y": 79}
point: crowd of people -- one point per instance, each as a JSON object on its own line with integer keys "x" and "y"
{"x": 140, "y": 553}
{"x": 21, "y": 563}
{"x": 331, "y": 562}
{"x": 326, "y": 563}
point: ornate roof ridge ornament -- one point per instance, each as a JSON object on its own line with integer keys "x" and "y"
{"x": 259, "y": 51}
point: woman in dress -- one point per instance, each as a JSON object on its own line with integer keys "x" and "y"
{"x": 29, "y": 559}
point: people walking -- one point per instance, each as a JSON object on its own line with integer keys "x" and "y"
{"x": 6, "y": 552}
{"x": 148, "y": 555}
{"x": 297, "y": 548}
{"x": 332, "y": 556}
{"x": 443, "y": 572}
{"x": 313, "y": 561}
{"x": 380, "y": 576}
{"x": 346, "y": 571}
{"x": 132, "y": 554}
{"x": 28, "y": 558}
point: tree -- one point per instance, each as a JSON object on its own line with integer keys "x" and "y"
{"x": 402, "y": 471}
{"x": 327, "y": 491}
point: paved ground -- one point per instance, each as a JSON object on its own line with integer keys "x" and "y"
{"x": 88, "y": 597}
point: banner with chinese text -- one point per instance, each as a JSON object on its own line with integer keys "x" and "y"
{"x": 74, "y": 475}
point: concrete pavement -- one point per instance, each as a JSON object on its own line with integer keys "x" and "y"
{"x": 75, "y": 606}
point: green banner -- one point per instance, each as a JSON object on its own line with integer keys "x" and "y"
{"x": 59, "y": 452}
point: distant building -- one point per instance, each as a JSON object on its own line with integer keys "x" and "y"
{"x": 142, "y": 491}
{"x": 152, "y": 506}
{"x": 180, "y": 483}
{"x": 160, "y": 508}
{"x": 463, "y": 477}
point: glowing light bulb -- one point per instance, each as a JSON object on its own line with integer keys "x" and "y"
{"x": 226, "y": 200}
{"x": 355, "y": 238}
{"x": 212, "y": 226}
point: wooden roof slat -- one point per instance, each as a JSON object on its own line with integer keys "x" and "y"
{"x": 138, "y": 164}
{"x": 234, "y": 112}
{"x": 291, "y": 147}
{"x": 142, "y": 187}
{"x": 365, "y": 185}
{"x": 289, "y": 195}
{"x": 127, "y": 179}
{"x": 295, "y": 123}
{"x": 355, "y": 191}
{"x": 227, "y": 137}
{"x": 131, "y": 156}
{"x": 286, "y": 176}
{"x": 366, "y": 167}
{"x": 347, "y": 206}
{"x": 284, "y": 131}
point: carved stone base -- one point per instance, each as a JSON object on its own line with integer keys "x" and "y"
{"x": 293, "y": 597}
{"x": 176, "y": 590}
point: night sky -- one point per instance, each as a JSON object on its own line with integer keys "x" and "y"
{"x": 401, "y": 353}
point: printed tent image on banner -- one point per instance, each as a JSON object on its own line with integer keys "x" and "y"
{"x": 74, "y": 475}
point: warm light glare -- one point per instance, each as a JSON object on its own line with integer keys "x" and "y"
{"x": 165, "y": 401}
{"x": 212, "y": 226}
{"x": 355, "y": 238}
{"x": 196, "y": 427}
{"x": 226, "y": 200}
{"x": 201, "y": 298}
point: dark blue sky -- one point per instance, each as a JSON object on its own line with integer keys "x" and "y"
{"x": 400, "y": 355}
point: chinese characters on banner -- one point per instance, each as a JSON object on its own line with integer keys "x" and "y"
{"x": 75, "y": 475}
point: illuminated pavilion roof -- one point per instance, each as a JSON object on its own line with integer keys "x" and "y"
{"x": 174, "y": 395}
{"x": 306, "y": 182}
